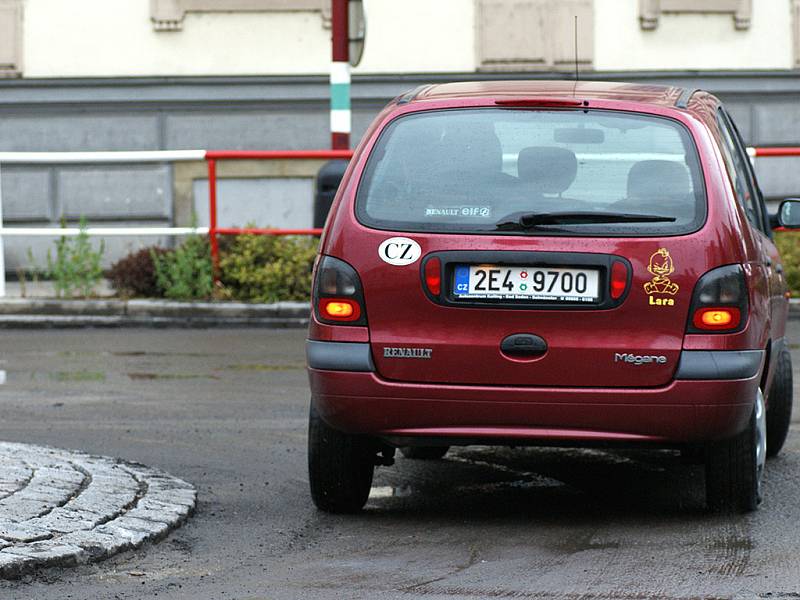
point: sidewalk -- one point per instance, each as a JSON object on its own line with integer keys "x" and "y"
{"x": 40, "y": 309}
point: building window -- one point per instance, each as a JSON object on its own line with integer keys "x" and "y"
{"x": 796, "y": 28}
{"x": 650, "y": 10}
{"x": 516, "y": 35}
{"x": 10, "y": 38}
{"x": 168, "y": 15}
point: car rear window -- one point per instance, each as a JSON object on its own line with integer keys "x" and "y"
{"x": 473, "y": 170}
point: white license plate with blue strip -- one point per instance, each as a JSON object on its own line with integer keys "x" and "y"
{"x": 553, "y": 284}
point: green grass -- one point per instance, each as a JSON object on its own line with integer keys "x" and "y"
{"x": 263, "y": 367}
{"x": 78, "y": 376}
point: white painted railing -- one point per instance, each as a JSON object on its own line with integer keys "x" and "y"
{"x": 61, "y": 158}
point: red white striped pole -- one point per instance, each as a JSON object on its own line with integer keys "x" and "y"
{"x": 340, "y": 75}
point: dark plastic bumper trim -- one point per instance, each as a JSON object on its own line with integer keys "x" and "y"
{"x": 339, "y": 356}
{"x": 719, "y": 364}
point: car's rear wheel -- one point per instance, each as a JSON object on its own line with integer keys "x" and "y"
{"x": 340, "y": 467}
{"x": 424, "y": 452}
{"x": 779, "y": 412}
{"x": 735, "y": 467}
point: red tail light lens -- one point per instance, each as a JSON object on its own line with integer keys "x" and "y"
{"x": 719, "y": 301}
{"x": 338, "y": 298}
{"x": 433, "y": 276}
{"x": 619, "y": 280}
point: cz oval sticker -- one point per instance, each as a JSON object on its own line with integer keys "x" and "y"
{"x": 399, "y": 251}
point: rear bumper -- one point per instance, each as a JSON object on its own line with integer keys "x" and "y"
{"x": 687, "y": 410}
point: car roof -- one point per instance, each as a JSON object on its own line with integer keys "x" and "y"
{"x": 657, "y": 95}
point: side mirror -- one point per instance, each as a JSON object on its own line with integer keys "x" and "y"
{"x": 788, "y": 214}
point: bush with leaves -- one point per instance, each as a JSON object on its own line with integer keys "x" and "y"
{"x": 788, "y": 243}
{"x": 76, "y": 266}
{"x": 185, "y": 273}
{"x": 135, "y": 274}
{"x": 266, "y": 268}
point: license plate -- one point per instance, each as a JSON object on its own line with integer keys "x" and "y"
{"x": 554, "y": 284}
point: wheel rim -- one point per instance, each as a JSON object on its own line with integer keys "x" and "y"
{"x": 761, "y": 439}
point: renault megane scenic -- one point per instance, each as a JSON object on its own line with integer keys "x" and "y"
{"x": 561, "y": 263}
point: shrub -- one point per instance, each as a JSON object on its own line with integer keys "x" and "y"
{"x": 76, "y": 266}
{"x": 135, "y": 274}
{"x": 266, "y": 268}
{"x": 788, "y": 243}
{"x": 185, "y": 273}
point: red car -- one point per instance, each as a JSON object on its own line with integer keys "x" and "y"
{"x": 549, "y": 263}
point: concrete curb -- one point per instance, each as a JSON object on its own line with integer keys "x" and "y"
{"x": 44, "y": 313}
{"x": 794, "y": 308}
{"x": 39, "y": 313}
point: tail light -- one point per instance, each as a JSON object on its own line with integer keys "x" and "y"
{"x": 719, "y": 302}
{"x": 338, "y": 298}
{"x": 433, "y": 275}
{"x": 618, "y": 282}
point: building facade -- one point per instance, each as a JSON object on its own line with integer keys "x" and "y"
{"x": 252, "y": 74}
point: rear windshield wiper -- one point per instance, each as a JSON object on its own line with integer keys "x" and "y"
{"x": 516, "y": 221}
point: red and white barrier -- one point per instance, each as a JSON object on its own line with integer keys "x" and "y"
{"x": 155, "y": 156}
{"x": 211, "y": 157}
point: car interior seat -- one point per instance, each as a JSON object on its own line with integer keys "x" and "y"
{"x": 546, "y": 169}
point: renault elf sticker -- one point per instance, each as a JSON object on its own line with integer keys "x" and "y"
{"x": 661, "y": 267}
{"x": 459, "y": 211}
{"x": 399, "y": 251}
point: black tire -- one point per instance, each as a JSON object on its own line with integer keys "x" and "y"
{"x": 732, "y": 483}
{"x": 424, "y": 452}
{"x": 340, "y": 467}
{"x": 779, "y": 411}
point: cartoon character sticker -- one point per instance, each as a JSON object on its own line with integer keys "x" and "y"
{"x": 661, "y": 267}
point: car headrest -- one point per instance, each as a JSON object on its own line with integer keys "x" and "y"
{"x": 415, "y": 145}
{"x": 658, "y": 178}
{"x": 549, "y": 169}
{"x": 473, "y": 150}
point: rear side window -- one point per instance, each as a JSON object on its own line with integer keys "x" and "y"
{"x": 468, "y": 170}
{"x": 736, "y": 163}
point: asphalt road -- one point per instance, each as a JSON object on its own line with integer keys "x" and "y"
{"x": 226, "y": 410}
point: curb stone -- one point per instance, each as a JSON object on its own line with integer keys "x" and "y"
{"x": 91, "y": 507}
{"x": 41, "y": 313}
{"x": 794, "y": 308}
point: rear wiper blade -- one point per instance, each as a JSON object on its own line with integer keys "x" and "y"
{"x": 533, "y": 220}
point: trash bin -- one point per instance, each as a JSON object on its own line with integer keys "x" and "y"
{"x": 328, "y": 179}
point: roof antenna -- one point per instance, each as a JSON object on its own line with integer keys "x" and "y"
{"x": 577, "y": 77}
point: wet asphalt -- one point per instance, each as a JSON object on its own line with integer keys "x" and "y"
{"x": 227, "y": 409}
